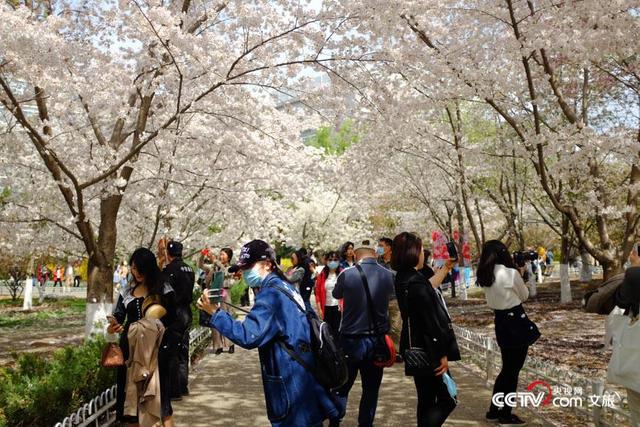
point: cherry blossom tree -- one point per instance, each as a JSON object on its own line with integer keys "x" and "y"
{"x": 117, "y": 96}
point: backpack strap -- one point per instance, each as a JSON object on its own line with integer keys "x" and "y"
{"x": 281, "y": 340}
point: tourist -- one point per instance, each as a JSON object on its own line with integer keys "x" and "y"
{"x": 68, "y": 276}
{"x": 218, "y": 342}
{"x": 124, "y": 273}
{"x": 76, "y": 278}
{"x": 148, "y": 291}
{"x": 627, "y": 297}
{"x": 296, "y": 271}
{"x": 505, "y": 292}
{"x": 358, "y": 333}
{"x": 57, "y": 277}
{"x": 424, "y": 314}
{"x": 384, "y": 252}
{"x": 116, "y": 278}
{"x": 277, "y": 320}
{"x": 182, "y": 279}
{"x": 347, "y": 255}
{"x": 327, "y": 305}
{"x": 549, "y": 263}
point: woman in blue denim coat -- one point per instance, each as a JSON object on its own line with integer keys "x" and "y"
{"x": 293, "y": 396}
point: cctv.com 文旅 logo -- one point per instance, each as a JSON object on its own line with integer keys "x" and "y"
{"x": 538, "y": 394}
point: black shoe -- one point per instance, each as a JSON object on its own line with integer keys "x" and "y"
{"x": 511, "y": 420}
{"x": 232, "y": 349}
{"x": 218, "y": 351}
{"x": 176, "y": 398}
{"x": 492, "y": 417}
{"x": 399, "y": 358}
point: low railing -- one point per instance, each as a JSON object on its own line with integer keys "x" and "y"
{"x": 98, "y": 412}
{"x": 484, "y": 352}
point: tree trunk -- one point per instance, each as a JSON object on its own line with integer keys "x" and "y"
{"x": 586, "y": 273}
{"x": 565, "y": 245}
{"x": 101, "y": 266}
{"x": 99, "y": 305}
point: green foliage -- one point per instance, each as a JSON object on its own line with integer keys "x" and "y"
{"x": 237, "y": 291}
{"x": 334, "y": 142}
{"x": 215, "y": 229}
{"x": 41, "y": 391}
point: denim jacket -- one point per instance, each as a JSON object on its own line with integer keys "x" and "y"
{"x": 293, "y": 396}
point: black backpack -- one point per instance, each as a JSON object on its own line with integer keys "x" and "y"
{"x": 330, "y": 369}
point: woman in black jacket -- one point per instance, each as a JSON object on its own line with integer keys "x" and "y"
{"x": 425, "y": 317}
{"x": 146, "y": 286}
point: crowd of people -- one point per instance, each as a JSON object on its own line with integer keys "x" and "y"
{"x": 359, "y": 291}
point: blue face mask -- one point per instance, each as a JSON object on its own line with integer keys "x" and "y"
{"x": 333, "y": 265}
{"x": 252, "y": 278}
{"x": 380, "y": 250}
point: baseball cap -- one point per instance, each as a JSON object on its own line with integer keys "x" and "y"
{"x": 174, "y": 249}
{"x": 252, "y": 252}
{"x": 365, "y": 245}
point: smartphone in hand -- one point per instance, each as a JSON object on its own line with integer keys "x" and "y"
{"x": 453, "y": 252}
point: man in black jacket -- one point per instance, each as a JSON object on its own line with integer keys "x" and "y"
{"x": 182, "y": 279}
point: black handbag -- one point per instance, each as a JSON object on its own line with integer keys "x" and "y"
{"x": 417, "y": 361}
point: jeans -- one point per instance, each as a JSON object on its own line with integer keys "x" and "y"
{"x": 434, "y": 402}
{"x": 359, "y": 355}
{"x": 507, "y": 380}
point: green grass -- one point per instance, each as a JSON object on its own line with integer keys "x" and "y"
{"x": 51, "y": 309}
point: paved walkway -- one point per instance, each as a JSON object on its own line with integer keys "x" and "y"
{"x": 226, "y": 390}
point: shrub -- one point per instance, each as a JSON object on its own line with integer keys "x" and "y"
{"x": 41, "y": 391}
{"x": 237, "y": 291}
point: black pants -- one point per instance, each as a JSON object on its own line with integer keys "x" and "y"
{"x": 434, "y": 402}
{"x": 333, "y": 316}
{"x": 76, "y": 282}
{"x": 55, "y": 283}
{"x": 183, "y": 364}
{"x": 507, "y": 380}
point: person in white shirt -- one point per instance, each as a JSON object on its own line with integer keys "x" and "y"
{"x": 505, "y": 292}
{"x": 329, "y": 306}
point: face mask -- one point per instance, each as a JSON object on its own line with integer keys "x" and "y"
{"x": 380, "y": 250}
{"x": 333, "y": 265}
{"x": 252, "y": 278}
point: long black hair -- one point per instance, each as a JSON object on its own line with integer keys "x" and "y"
{"x": 147, "y": 265}
{"x": 343, "y": 250}
{"x": 493, "y": 252}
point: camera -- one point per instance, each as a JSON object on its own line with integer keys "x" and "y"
{"x": 521, "y": 257}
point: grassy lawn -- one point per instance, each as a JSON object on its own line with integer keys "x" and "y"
{"x": 12, "y": 316}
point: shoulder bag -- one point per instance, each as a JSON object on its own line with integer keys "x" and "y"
{"x": 417, "y": 361}
{"x": 624, "y": 366}
{"x": 112, "y": 356}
